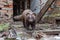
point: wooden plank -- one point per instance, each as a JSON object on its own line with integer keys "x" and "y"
{"x": 48, "y": 31}
{"x": 44, "y": 9}
{"x": 52, "y": 32}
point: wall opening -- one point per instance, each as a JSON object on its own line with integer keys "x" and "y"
{"x": 19, "y": 6}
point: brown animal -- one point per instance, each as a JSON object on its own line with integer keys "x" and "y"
{"x": 28, "y": 18}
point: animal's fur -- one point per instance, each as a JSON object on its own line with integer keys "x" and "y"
{"x": 24, "y": 19}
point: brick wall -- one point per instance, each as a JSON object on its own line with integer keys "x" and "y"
{"x": 6, "y": 7}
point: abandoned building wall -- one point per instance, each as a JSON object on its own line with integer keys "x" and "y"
{"x": 6, "y": 7}
{"x": 37, "y": 5}
{"x": 53, "y": 11}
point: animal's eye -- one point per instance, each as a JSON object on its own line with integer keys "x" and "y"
{"x": 27, "y": 13}
{"x": 34, "y": 14}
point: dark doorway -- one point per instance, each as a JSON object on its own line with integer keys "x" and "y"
{"x": 19, "y": 6}
{"x": 16, "y": 7}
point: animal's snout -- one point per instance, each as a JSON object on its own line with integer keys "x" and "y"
{"x": 30, "y": 18}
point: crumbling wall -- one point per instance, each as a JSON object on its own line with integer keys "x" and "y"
{"x": 6, "y": 8}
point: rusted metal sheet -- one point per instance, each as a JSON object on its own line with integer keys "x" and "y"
{"x": 44, "y": 9}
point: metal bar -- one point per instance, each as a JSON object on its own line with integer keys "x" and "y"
{"x": 44, "y": 9}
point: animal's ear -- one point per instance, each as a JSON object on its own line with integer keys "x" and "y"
{"x": 27, "y": 13}
{"x": 34, "y": 14}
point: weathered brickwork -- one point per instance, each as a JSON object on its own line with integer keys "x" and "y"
{"x": 6, "y": 7}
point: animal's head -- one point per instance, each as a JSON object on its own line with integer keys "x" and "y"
{"x": 31, "y": 16}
